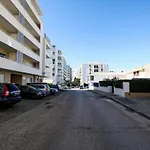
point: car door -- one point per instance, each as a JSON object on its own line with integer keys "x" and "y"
{"x": 24, "y": 92}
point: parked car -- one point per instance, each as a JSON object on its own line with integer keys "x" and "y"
{"x": 54, "y": 86}
{"x": 42, "y": 87}
{"x": 9, "y": 93}
{"x": 81, "y": 87}
{"x": 30, "y": 92}
{"x": 53, "y": 90}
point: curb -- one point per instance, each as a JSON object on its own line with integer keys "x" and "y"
{"x": 124, "y": 105}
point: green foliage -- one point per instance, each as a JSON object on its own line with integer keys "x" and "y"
{"x": 140, "y": 85}
{"x": 106, "y": 83}
{"x": 76, "y": 82}
{"x": 119, "y": 83}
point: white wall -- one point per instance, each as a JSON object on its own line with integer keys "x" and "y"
{"x": 106, "y": 89}
{"x": 121, "y": 92}
{"x": 100, "y": 76}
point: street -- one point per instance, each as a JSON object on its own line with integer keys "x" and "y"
{"x": 76, "y": 120}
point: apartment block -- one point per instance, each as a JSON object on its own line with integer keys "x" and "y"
{"x": 87, "y": 69}
{"x": 59, "y": 66}
{"x": 141, "y": 72}
{"x": 47, "y": 60}
{"x": 69, "y": 73}
{"x": 21, "y": 38}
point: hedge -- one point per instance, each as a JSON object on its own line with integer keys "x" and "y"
{"x": 136, "y": 85}
{"x": 140, "y": 86}
{"x": 119, "y": 83}
{"x": 106, "y": 83}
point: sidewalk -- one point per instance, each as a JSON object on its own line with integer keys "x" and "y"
{"x": 142, "y": 107}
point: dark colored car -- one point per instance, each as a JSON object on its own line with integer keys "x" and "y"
{"x": 30, "y": 92}
{"x": 9, "y": 93}
{"x": 81, "y": 87}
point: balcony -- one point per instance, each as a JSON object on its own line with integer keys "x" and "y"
{"x": 9, "y": 20}
{"x": 14, "y": 8}
{"x": 33, "y": 12}
{"x": 14, "y": 66}
{"x": 7, "y": 42}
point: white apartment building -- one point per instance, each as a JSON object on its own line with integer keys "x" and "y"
{"x": 21, "y": 39}
{"x": 87, "y": 69}
{"x": 54, "y": 64}
{"x": 69, "y": 73}
{"x": 58, "y": 66}
{"x": 47, "y": 60}
{"x": 141, "y": 72}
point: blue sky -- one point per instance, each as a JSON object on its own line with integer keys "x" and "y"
{"x": 115, "y": 31}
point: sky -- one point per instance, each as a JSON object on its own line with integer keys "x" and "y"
{"x": 113, "y": 31}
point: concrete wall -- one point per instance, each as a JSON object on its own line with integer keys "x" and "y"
{"x": 137, "y": 95}
{"x": 106, "y": 89}
{"x": 121, "y": 92}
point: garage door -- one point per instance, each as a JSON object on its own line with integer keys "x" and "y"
{"x": 1, "y": 78}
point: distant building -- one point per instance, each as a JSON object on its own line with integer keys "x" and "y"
{"x": 47, "y": 60}
{"x": 86, "y": 70}
{"x": 141, "y": 72}
{"x": 100, "y": 76}
{"x": 76, "y": 74}
{"x": 69, "y": 73}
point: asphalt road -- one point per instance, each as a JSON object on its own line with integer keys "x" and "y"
{"x": 76, "y": 120}
{"x": 7, "y": 113}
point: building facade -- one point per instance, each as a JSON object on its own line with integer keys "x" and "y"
{"x": 21, "y": 38}
{"x": 141, "y": 72}
{"x": 87, "y": 69}
{"x": 59, "y": 65}
{"x": 69, "y": 73}
{"x": 47, "y": 60}
{"x": 100, "y": 76}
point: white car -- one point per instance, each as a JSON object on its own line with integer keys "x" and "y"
{"x": 43, "y": 87}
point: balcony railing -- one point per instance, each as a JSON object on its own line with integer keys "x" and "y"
{"x": 15, "y": 66}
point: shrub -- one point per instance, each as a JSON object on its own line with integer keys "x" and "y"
{"x": 106, "y": 83}
{"x": 119, "y": 83}
{"x": 140, "y": 85}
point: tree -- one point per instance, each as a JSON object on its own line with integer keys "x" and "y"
{"x": 76, "y": 81}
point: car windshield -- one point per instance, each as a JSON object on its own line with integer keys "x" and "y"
{"x": 12, "y": 87}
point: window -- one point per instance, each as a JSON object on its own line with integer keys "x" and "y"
{"x": 102, "y": 70}
{"x": 95, "y": 66}
{"x": 53, "y": 61}
{"x": 53, "y": 53}
{"x": 11, "y": 87}
{"x": 53, "y": 74}
{"x": 47, "y": 56}
{"x": 95, "y": 70}
{"x": 96, "y": 84}
{"x": 91, "y": 78}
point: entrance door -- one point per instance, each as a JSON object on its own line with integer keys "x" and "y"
{"x": 15, "y": 78}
